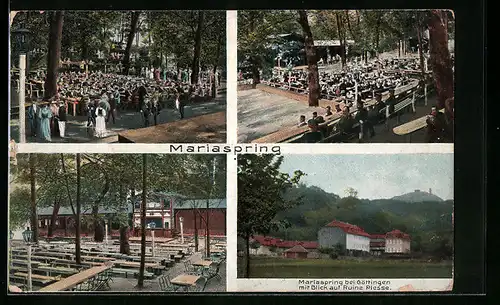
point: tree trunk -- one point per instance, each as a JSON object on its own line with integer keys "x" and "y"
{"x": 377, "y": 33}
{"x": 341, "y": 39}
{"x": 214, "y": 87}
{"x": 134, "y": 19}
{"x": 255, "y": 72}
{"x": 140, "y": 282}
{"x": 98, "y": 227}
{"x": 207, "y": 234}
{"x": 196, "y": 246}
{"x": 34, "y": 216}
{"x": 195, "y": 66}
{"x": 124, "y": 242}
{"x": 247, "y": 256}
{"x": 312, "y": 60}
{"x": 78, "y": 210}
{"x": 53, "y": 217}
{"x": 441, "y": 63}
{"x": 54, "y": 53}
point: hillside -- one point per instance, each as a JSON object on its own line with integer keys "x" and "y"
{"x": 418, "y": 196}
{"x": 428, "y": 222}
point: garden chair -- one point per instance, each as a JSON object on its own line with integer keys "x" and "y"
{"x": 165, "y": 284}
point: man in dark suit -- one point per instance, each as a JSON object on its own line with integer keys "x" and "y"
{"x": 314, "y": 134}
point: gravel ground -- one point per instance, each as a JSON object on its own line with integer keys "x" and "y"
{"x": 76, "y": 131}
{"x": 261, "y": 113}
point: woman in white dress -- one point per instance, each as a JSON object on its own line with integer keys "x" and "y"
{"x": 100, "y": 125}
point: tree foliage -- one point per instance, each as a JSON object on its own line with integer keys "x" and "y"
{"x": 428, "y": 223}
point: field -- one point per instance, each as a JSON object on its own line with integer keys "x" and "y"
{"x": 272, "y": 267}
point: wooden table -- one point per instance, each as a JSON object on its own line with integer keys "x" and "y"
{"x": 209, "y": 128}
{"x": 216, "y": 251}
{"x": 97, "y": 257}
{"x": 203, "y": 263}
{"x": 135, "y": 264}
{"x": 74, "y": 280}
{"x": 185, "y": 280}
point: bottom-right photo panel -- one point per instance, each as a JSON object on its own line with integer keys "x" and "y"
{"x": 345, "y": 223}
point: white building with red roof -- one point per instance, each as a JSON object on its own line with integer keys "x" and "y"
{"x": 351, "y": 237}
{"x": 397, "y": 242}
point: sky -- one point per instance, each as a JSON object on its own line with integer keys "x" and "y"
{"x": 379, "y": 176}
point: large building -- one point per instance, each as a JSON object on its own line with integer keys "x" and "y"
{"x": 397, "y": 242}
{"x": 192, "y": 210}
{"x": 351, "y": 237}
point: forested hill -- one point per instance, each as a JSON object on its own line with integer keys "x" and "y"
{"x": 418, "y": 196}
{"x": 425, "y": 221}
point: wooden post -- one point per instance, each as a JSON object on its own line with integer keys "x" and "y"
{"x": 153, "y": 243}
{"x": 360, "y": 130}
{"x": 413, "y": 103}
{"x": 22, "y": 92}
{"x": 106, "y": 232}
{"x": 181, "y": 221}
{"x": 425, "y": 93}
{"x": 30, "y": 282}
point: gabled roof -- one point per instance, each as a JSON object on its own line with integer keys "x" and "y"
{"x": 348, "y": 228}
{"x": 397, "y": 234}
{"x": 297, "y": 249}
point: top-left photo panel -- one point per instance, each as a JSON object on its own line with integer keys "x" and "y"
{"x": 118, "y": 76}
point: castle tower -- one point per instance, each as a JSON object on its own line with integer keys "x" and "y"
{"x": 430, "y": 191}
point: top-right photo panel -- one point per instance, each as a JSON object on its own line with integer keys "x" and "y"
{"x": 346, "y": 76}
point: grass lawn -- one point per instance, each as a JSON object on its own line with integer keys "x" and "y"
{"x": 273, "y": 267}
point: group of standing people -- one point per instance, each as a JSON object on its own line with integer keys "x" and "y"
{"x": 47, "y": 119}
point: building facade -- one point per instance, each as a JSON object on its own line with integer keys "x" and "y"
{"x": 377, "y": 244}
{"x": 350, "y": 237}
{"x": 296, "y": 251}
{"x": 397, "y": 242}
{"x": 194, "y": 214}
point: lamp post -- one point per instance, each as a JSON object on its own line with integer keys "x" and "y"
{"x": 21, "y": 37}
{"x": 28, "y": 238}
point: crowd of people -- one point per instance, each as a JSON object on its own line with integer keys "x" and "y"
{"x": 100, "y": 96}
{"x": 365, "y": 118}
{"x": 369, "y": 78}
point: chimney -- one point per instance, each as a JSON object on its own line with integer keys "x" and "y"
{"x": 430, "y": 191}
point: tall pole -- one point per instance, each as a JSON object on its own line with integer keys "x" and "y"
{"x": 181, "y": 221}
{"x": 22, "y": 110}
{"x": 30, "y": 282}
{"x": 106, "y": 231}
{"x": 152, "y": 242}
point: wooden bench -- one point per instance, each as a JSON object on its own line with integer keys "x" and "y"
{"x": 38, "y": 276}
{"x": 76, "y": 279}
{"x": 23, "y": 280}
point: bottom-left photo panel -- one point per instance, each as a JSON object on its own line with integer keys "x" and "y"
{"x": 117, "y": 223}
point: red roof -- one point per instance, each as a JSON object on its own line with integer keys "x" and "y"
{"x": 297, "y": 249}
{"x": 397, "y": 234}
{"x": 279, "y": 243}
{"x": 348, "y": 228}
